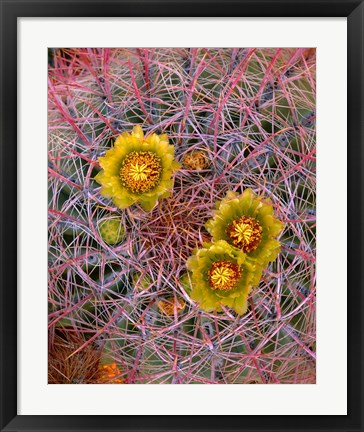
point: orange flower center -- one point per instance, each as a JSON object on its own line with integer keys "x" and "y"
{"x": 245, "y": 233}
{"x": 140, "y": 171}
{"x": 224, "y": 275}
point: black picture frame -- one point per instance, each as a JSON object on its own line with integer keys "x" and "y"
{"x": 10, "y": 11}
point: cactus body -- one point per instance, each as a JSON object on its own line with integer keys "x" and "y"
{"x": 118, "y": 280}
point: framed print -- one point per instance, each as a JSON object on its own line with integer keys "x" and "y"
{"x": 178, "y": 216}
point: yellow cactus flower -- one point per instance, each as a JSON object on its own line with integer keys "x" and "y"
{"x": 222, "y": 275}
{"x": 137, "y": 169}
{"x": 247, "y": 223}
